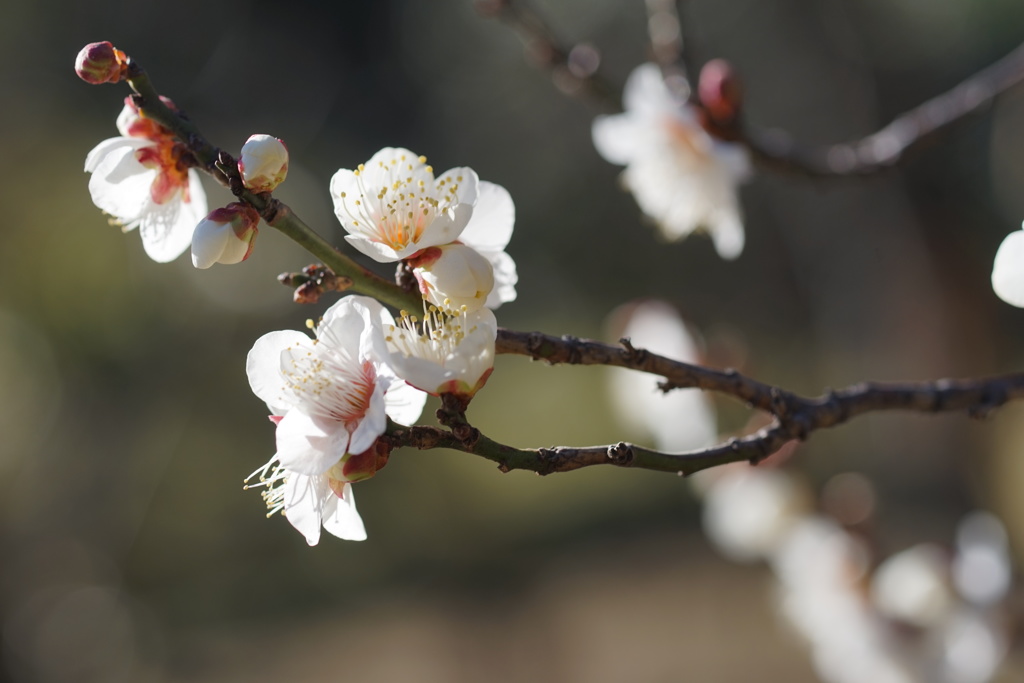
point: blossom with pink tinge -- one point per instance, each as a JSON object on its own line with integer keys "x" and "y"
{"x": 330, "y": 398}
{"x": 680, "y": 176}
{"x": 143, "y": 180}
{"x": 227, "y": 236}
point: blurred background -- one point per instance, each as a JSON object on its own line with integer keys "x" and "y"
{"x": 130, "y": 552}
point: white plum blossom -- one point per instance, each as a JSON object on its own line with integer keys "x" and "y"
{"x": 446, "y": 353}
{"x": 329, "y": 391}
{"x": 263, "y": 163}
{"x": 1008, "y": 269}
{"x": 330, "y": 398}
{"x": 227, "y": 236}
{"x": 142, "y": 180}
{"x": 488, "y": 232}
{"x": 680, "y": 176}
{"x": 453, "y": 275}
{"x": 392, "y": 206}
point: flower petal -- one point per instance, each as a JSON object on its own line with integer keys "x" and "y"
{"x": 403, "y": 402}
{"x": 340, "y": 517}
{"x": 615, "y": 138}
{"x": 494, "y": 216}
{"x": 310, "y": 445}
{"x": 304, "y": 498}
{"x": 119, "y": 184}
{"x": 372, "y": 425}
{"x": 1008, "y": 270}
{"x": 263, "y": 367}
{"x": 166, "y": 229}
{"x": 505, "y": 279}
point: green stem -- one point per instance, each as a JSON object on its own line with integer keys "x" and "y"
{"x": 277, "y": 214}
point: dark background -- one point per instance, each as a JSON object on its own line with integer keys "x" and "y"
{"x": 128, "y": 550}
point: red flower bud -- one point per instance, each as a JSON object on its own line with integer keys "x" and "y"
{"x": 101, "y": 63}
{"x": 719, "y": 91}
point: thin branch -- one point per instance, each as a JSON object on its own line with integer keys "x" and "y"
{"x": 223, "y": 168}
{"x": 879, "y": 151}
{"x": 794, "y": 417}
{"x": 891, "y": 144}
{"x": 574, "y": 70}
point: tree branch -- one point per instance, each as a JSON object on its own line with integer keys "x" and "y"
{"x": 775, "y": 149}
{"x": 893, "y": 143}
{"x": 794, "y": 417}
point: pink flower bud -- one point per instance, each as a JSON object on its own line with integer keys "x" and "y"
{"x": 719, "y": 91}
{"x": 101, "y": 63}
{"x": 263, "y": 163}
{"x": 225, "y": 236}
{"x": 453, "y": 276}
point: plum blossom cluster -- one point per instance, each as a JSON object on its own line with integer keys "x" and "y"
{"x": 331, "y": 397}
{"x": 682, "y": 177}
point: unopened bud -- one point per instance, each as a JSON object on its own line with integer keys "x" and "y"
{"x": 225, "y": 236}
{"x": 453, "y": 276}
{"x": 263, "y": 163}
{"x": 101, "y": 63}
{"x": 719, "y": 91}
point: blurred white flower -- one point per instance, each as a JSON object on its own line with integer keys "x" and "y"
{"x": 748, "y": 511}
{"x": 143, "y": 181}
{"x": 981, "y": 568}
{"x": 682, "y": 419}
{"x": 913, "y": 585}
{"x": 1008, "y": 269}
{"x": 681, "y": 177}
{"x": 392, "y": 207}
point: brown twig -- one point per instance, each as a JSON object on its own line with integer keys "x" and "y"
{"x": 574, "y": 70}
{"x": 794, "y": 417}
{"x": 774, "y": 149}
{"x": 893, "y": 143}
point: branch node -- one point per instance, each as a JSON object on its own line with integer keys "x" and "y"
{"x": 633, "y": 355}
{"x": 575, "y": 354}
{"x": 534, "y": 343}
{"x": 621, "y": 454}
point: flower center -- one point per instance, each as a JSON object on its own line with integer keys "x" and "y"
{"x": 689, "y": 140}
{"x": 436, "y": 337}
{"x": 407, "y": 201}
{"x": 172, "y": 173}
{"x": 327, "y": 382}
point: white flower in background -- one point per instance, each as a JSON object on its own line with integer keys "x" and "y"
{"x": 452, "y": 276}
{"x": 227, "y": 236}
{"x": 681, "y": 177}
{"x": 143, "y": 181}
{"x": 393, "y": 206}
{"x": 1008, "y": 270}
{"x": 333, "y": 393}
{"x": 488, "y": 232}
{"x": 445, "y": 353}
{"x": 680, "y": 420}
{"x": 749, "y": 510}
{"x": 263, "y": 163}
{"x": 914, "y": 586}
